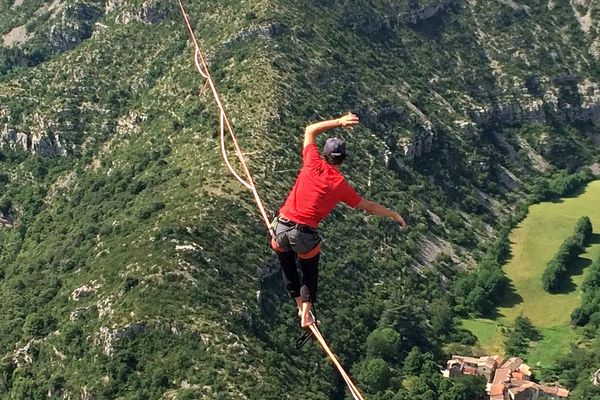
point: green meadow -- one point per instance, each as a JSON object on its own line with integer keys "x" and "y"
{"x": 533, "y": 243}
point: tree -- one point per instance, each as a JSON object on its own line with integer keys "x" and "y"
{"x": 384, "y": 343}
{"x": 525, "y": 326}
{"x": 583, "y": 231}
{"x": 415, "y": 361}
{"x": 406, "y": 315}
{"x": 375, "y": 374}
{"x": 466, "y": 388}
{"x": 442, "y": 318}
{"x": 519, "y": 337}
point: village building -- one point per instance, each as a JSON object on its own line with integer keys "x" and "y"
{"x": 509, "y": 380}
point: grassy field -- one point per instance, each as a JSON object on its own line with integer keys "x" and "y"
{"x": 554, "y": 341}
{"x": 533, "y": 243}
{"x": 489, "y": 334}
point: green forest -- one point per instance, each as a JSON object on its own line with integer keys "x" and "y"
{"x": 134, "y": 266}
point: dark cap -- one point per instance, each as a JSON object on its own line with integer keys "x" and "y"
{"x": 334, "y": 147}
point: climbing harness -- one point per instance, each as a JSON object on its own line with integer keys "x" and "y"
{"x": 248, "y": 182}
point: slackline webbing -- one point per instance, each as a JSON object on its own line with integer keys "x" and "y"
{"x": 248, "y": 182}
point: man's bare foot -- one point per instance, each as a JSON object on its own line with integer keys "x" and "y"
{"x": 302, "y": 320}
{"x": 307, "y": 320}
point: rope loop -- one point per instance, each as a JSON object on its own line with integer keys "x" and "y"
{"x": 203, "y": 73}
{"x": 226, "y": 158}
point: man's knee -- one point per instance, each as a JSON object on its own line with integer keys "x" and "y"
{"x": 287, "y": 259}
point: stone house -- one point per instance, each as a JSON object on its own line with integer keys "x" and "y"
{"x": 509, "y": 380}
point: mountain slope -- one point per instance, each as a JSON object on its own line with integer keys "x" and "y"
{"x": 134, "y": 266}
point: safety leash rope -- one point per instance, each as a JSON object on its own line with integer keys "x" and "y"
{"x": 203, "y": 70}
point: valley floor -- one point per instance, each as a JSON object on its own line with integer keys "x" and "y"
{"x": 533, "y": 243}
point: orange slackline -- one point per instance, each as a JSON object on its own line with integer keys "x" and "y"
{"x": 203, "y": 70}
{"x": 353, "y": 390}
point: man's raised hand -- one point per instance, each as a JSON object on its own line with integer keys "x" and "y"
{"x": 348, "y": 120}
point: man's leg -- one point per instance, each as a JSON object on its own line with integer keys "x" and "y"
{"x": 308, "y": 290}
{"x": 291, "y": 278}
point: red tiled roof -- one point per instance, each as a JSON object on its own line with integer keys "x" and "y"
{"x": 501, "y": 375}
{"x": 469, "y": 370}
{"x": 496, "y": 390}
{"x": 523, "y": 387}
{"x": 487, "y": 361}
{"x": 525, "y": 370}
{"x": 548, "y": 389}
{"x": 517, "y": 382}
{"x": 512, "y": 363}
{"x": 499, "y": 360}
{"x": 554, "y": 390}
{"x": 517, "y": 375}
{"x": 471, "y": 360}
{"x": 513, "y": 375}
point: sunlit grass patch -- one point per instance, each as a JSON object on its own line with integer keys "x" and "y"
{"x": 534, "y": 243}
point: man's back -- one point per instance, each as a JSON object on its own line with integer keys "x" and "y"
{"x": 318, "y": 189}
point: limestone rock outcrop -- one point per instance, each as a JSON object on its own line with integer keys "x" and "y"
{"x": 106, "y": 337}
{"x": 22, "y": 356}
{"x": 151, "y": 12}
{"x": 13, "y": 139}
{"x": 43, "y": 142}
{"x": 6, "y": 219}
{"x": 419, "y": 12}
{"x": 72, "y": 25}
{"x": 417, "y": 146}
{"x": 567, "y": 96}
{"x": 85, "y": 290}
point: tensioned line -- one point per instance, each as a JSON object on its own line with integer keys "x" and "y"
{"x": 203, "y": 70}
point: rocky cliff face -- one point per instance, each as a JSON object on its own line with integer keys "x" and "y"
{"x": 532, "y": 101}
{"x": 151, "y": 12}
{"x": 571, "y": 98}
{"x": 418, "y": 146}
{"x": 6, "y": 219}
{"x": 48, "y": 144}
{"x": 71, "y": 24}
{"x": 420, "y": 12}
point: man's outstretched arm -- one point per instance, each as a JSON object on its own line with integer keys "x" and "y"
{"x": 313, "y": 130}
{"x": 377, "y": 209}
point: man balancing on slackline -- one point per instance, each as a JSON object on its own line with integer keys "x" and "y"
{"x": 318, "y": 189}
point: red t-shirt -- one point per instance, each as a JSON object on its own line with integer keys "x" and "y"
{"x": 317, "y": 190}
